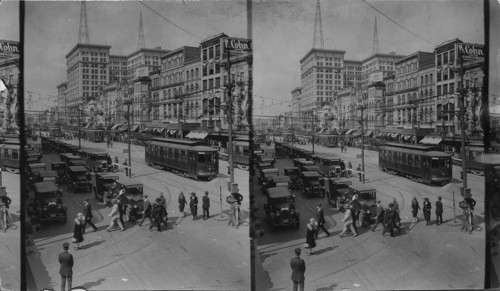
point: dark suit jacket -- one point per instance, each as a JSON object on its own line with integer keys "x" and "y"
{"x": 298, "y": 269}
{"x": 320, "y": 216}
{"x": 205, "y": 202}
{"x": 87, "y": 211}
{"x": 66, "y": 261}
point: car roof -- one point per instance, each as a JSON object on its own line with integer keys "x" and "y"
{"x": 281, "y": 179}
{"x": 272, "y": 170}
{"x": 43, "y": 187}
{"x": 128, "y": 182}
{"x": 343, "y": 180}
{"x": 37, "y": 165}
{"x": 44, "y": 174}
{"x": 292, "y": 168}
{"x": 310, "y": 174}
{"x": 77, "y": 169}
{"x": 58, "y": 163}
{"x": 362, "y": 187}
{"x": 278, "y": 192}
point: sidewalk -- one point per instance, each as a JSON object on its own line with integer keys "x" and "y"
{"x": 10, "y": 246}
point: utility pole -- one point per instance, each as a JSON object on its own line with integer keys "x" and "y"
{"x": 362, "y": 108}
{"x": 79, "y": 127}
{"x": 230, "y": 120}
{"x": 462, "y": 123}
{"x": 128, "y": 102}
{"x": 312, "y": 128}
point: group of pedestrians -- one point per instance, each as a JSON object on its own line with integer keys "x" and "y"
{"x": 426, "y": 210}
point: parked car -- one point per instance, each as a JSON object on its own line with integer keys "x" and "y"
{"x": 265, "y": 176}
{"x": 78, "y": 179}
{"x": 47, "y": 204}
{"x": 103, "y": 186}
{"x": 367, "y": 198}
{"x": 310, "y": 184}
{"x": 294, "y": 174}
{"x": 280, "y": 208}
{"x": 60, "y": 169}
{"x": 336, "y": 190}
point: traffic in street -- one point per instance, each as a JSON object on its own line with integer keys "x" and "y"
{"x": 186, "y": 254}
{"x": 419, "y": 256}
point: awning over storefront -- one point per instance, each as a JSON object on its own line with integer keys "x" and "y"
{"x": 160, "y": 129}
{"x": 115, "y": 126}
{"x": 348, "y": 131}
{"x": 431, "y": 140}
{"x": 172, "y": 131}
{"x": 197, "y": 135}
{"x": 241, "y": 143}
{"x": 369, "y": 133}
{"x": 134, "y": 128}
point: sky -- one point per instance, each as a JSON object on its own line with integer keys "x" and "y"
{"x": 9, "y": 18}
{"x": 283, "y": 33}
{"x": 51, "y": 31}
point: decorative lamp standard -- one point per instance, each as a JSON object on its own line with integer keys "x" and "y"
{"x": 361, "y": 107}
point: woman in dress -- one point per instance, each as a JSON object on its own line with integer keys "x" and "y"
{"x": 414, "y": 209}
{"x": 78, "y": 230}
{"x": 182, "y": 204}
{"x": 427, "y": 210}
{"x": 310, "y": 240}
{"x": 115, "y": 216}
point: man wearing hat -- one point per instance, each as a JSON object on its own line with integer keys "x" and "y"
{"x": 66, "y": 269}
{"x": 146, "y": 210}
{"x": 156, "y": 215}
{"x": 205, "y": 205}
{"x": 439, "y": 211}
{"x": 380, "y": 215}
{"x": 298, "y": 269}
{"x": 87, "y": 212}
{"x": 320, "y": 218}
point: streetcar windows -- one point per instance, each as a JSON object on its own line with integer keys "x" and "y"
{"x": 169, "y": 153}
{"x": 417, "y": 161}
{"x": 201, "y": 159}
{"x": 161, "y": 151}
{"x": 410, "y": 160}
{"x": 183, "y": 156}
{"x": 438, "y": 163}
{"x": 395, "y": 156}
{"x": 176, "y": 154}
{"x": 403, "y": 158}
{"x": 15, "y": 155}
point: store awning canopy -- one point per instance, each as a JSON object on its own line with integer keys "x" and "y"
{"x": 369, "y": 133}
{"x": 116, "y": 126}
{"x": 173, "y": 131}
{"x": 197, "y": 135}
{"x": 348, "y": 131}
{"x": 431, "y": 140}
{"x": 134, "y": 128}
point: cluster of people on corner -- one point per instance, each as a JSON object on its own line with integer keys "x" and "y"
{"x": 234, "y": 201}
{"x": 426, "y": 210}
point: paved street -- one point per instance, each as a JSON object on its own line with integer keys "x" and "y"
{"x": 421, "y": 257}
{"x": 199, "y": 254}
{"x": 10, "y": 246}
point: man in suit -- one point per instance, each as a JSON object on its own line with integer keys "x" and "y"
{"x": 439, "y": 211}
{"x": 206, "y": 206}
{"x": 146, "y": 211}
{"x": 320, "y": 218}
{"x": 156, "y": 214}
{"x": 298, "y": 269}
{"x": 87, "y": 212}
{"x": 66, "y": 270}
{"x": 380, "y": 215}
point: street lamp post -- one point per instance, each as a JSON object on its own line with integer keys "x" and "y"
{"x": 362, "y": 108}
{"x": 312, "y": 128}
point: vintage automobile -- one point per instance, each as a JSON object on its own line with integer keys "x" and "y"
{"x": 268, "y": 160}
{"x": 78, "y": 179}
{"x": 263, "y": 166}
{"x": 265, "y": 176}
{"x": 294, "y": 174}
{"x": 367, "y": 198}
{"x": 103, "y": 186}
{"x": 298, "y": 162}
{"x": 33, "y": 169}
{"x": 280, "y": 181}
{"x": 133, "y": 191}
{"x": 78, "y": 163}
{"x": 305, "y": 168}
{"x": 60, "y": 168}
{"x": 309, "y": 184}
{"x": 331, "y": 166}
{"x": 47, "y": 203}
{"x": 280, "y": 208}
{"x": 68, "y": 157}
{"x": 43, "y": 176}
{"x": 33, "y": 157}
{"x": 336, "y": 190}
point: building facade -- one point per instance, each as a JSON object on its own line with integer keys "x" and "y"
{"x": 10, "y": 76}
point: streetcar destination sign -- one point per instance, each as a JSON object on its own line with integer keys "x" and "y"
{"x": 238, "y": 44}
{"x": 471, "y": 50}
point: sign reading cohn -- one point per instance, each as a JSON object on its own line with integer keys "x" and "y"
{"x": 238, "y": 44}
{"x": 10, "y": 47}
{"x": 471, "y": 50}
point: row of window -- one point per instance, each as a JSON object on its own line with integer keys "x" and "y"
{"x": 180, "y": 155}
{"x": 9, "y": 154}
{"x": 414, "y": 160}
